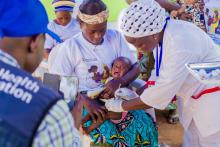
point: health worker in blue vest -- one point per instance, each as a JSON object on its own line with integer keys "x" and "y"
{"x": 30, "y": 113}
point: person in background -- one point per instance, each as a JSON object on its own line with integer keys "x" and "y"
{"x": 32, "y": 114}
{"x": 64, "y": 25}
{"x": 167, "y": 5}
{"x": 192, "y": 11}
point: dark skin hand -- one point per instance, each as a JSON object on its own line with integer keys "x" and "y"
{"x": 140, "y": 90}
{"x": 168, "y": 5}
{"x": 77, "y": 112}
{"x": 113, "y": 85}
{"x": 110, "y": 89}
{"x": 96, "y": 111}
{"x": 109, "y": 115}
{"x": 134, "y": 104}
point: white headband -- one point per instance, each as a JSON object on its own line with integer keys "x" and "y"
{"x": 94, "y": 19}
{"x": 143, "y": 18}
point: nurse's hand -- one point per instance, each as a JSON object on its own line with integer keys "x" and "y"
{"x": 140, "y": 90}
{"x": 110, "y": 89}
{"x": 95, "y": 110}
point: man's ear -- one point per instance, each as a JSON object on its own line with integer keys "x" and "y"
{"x": 33, "y": 43}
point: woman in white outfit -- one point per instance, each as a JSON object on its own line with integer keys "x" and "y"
{"x": 178, "y": 42}
{"x": 64, "y": 25}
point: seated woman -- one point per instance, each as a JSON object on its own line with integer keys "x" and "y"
{"x": 86, "y": 55}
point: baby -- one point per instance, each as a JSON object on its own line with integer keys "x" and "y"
{"x": 120, "y": 67}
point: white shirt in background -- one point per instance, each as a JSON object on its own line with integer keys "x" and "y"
{"x": 64, "y": 32}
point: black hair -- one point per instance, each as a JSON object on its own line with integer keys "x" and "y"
{"x": 125, "y": 59}
{"x": 92, "y": 7}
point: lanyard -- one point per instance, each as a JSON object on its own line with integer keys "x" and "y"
{"x": 160, "y": 56}
{"x": 159, "y": 61}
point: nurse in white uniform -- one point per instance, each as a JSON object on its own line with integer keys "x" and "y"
{"x": 178, "y": 42}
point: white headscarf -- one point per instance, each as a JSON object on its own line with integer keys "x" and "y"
{"x": 143, "y": 18}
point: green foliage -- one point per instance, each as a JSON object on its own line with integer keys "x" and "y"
{"x": 114, "y": 6}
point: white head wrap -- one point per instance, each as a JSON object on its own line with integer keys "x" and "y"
{"x": 143, "y": 18}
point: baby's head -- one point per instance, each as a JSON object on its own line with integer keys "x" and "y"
{"x": 63, "y": 11}
{"x": 120, "y": 67}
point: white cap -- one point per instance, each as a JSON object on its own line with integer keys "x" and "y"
{"x": 143, "y": 18}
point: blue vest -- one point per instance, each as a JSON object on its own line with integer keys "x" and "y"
{"x": 24, "y": 102}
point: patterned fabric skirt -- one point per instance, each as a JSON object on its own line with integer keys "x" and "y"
{"x": 137, "y": 129}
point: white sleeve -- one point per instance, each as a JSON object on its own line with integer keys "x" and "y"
{"x": 124, "y": 50}
{"x": 49, "y": 41}
{"x": 172, "y": 76}
{"x": 66, "y": 59}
